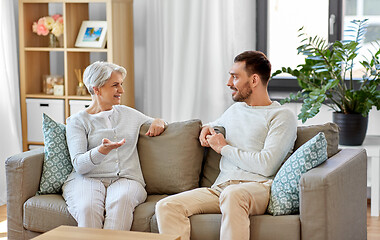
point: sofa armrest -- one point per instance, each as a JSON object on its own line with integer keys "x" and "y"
{"x": 333, "y": 198}
{"x": 23, "y": 173}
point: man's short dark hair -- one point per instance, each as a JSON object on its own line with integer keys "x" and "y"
{"x": 255, "y": 62}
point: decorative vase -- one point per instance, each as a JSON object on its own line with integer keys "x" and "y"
{"x": 352, "y": 128}
{"x": 53, "y": 41}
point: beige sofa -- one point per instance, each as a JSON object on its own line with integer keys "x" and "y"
{"x": 332, "y": 195}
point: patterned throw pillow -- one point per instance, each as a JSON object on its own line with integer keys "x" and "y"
{"x": 57, "y": 164}
{"x": 284, "y": 197}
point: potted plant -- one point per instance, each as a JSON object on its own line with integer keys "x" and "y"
{"x": 326, "y": 77}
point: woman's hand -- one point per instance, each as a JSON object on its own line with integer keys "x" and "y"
{"x": 108, "y": 145}
{"x": 216, "y": 141}
{"x": 156, "y": 128}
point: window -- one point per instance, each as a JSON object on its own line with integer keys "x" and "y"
{"x": 285, "y": 18}
{"x": 358, "y": 10}
{"x": 279, "y": 20}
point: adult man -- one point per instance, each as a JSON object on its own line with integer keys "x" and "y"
{"x": 259, "y": 135}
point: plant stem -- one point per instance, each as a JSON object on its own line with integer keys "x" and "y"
{"x": 352, "y": 67}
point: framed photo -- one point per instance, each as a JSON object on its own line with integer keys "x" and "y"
{"x": 92, "y": 34}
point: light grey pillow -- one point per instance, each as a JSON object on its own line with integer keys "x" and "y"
{"x": 331, "y": 131}
{"x": 172, "y": 162}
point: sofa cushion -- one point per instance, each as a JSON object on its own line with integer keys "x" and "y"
{"x": 284, "y": 197}
{"x": 143, "y": 213}
{"x": 286, "y": 227}
{"x": 172, "y": 162}
{"x": 331, "y": 131}
{"x": 45, "y": 212}
{"x": 207, "y": 226}
{"x": 57, "y": 164}
{"x": 210, "y": 169}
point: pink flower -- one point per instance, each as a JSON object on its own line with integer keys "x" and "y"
{"x": 46, "y": 25}
{"x": 41, "y": 21}
{"x": 60, "y": 20}
{"x": 41, "y": 28}
{"x": 56, "y": 16}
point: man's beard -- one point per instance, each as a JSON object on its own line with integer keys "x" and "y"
{"x": 242, "y": 95}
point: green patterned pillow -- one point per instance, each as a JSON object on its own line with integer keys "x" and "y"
{"x": 57, "y": 164}
{"x": 284, "y": 197}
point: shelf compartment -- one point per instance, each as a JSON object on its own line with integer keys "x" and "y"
{"x": 31, "y": 13}
{"x": 80, "y": 60}
{"x": 33, "y": 73}
{"x": 37, "y": 64}
{"x": 75, "y": 14}
{"x": 75, "y": 60}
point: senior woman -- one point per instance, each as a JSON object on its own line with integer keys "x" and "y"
{"x": 107, "y": 183}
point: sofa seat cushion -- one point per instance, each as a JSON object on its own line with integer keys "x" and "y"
{"x": 263, "y": 227}
{"x": 45, "y": 212}
{"x": 143, "y": 213}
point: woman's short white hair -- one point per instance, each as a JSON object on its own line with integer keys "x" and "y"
{"x": 98, "y": 73}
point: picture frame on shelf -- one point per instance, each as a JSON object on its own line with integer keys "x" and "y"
{"x": 92, "y": 34}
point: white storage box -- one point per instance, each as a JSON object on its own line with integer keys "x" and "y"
{"x": 78, "y": 105}
{"x": 31, "y": 146}
{"x": 54, "y": 108}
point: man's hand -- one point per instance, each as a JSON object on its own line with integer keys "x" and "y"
{"x": 202, "y": 136}
{"x": 216, "y": 140}
{"x": 108, "y": 145}
{"x": 156, "y": 128}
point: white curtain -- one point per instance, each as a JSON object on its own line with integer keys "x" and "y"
{"x": 183, "y": 52}
{"x": 10, "y": 120}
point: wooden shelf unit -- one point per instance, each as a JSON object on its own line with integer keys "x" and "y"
{"x": 35, "y": 55}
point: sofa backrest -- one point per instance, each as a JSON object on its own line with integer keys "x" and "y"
{"x": 172, "y": 162}
{"x": 175, "y": 161}
{"x": 331, "y": 131}
{"x": 210, "y": 166}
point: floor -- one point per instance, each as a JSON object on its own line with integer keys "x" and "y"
{"x": 3, "y": 222}
{"x": 373, "y": 224}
